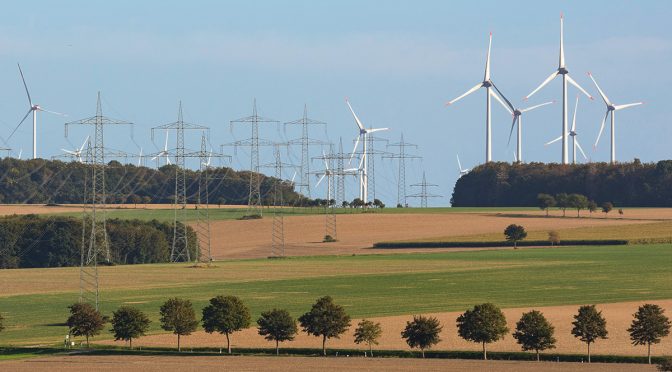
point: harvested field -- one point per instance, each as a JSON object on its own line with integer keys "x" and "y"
{"x": 303, "y": 234}
{"x": 618, "y": 316}
{"x": 251, "y": 363}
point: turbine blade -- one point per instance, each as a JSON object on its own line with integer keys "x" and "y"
{"x": 562, "y": 42}
{"x": 165, "y": 147}
{"x": 621, "y": 107}
{"x": 548, "y": 80}
{"x": 513, "y": 124}
{"x": 574, "y": 83}
{"x": 459, "y": 165}
{"x": 52, "y": 112}
{"x": 601, "y": 129}
{"x": 580, "y": 149}
{"x": 553, "y": 141}
{"x": 508, "y": 103}
{"x": 320, "y": 180}
{"x": 359, "y": 123}
{"x": 353, "y": 150}
{"x": 576, "y": 107}
{"x": 537, "y": 106}
{"x": 21, "y": 122}
{"x": 30, "y": 101}
{"x": 87, "y": 140}
{"x": 472, "y": 90}
{"x": 604, "y": 96}
{"x": 373, "y": 130}
{"x": 494, "y": 95}
{"x": 487, "y": 61}
{"x": 293, "y": 176}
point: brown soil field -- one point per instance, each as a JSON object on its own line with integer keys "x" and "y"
{"x": 357, "y": 232}
{"x": 618, "y": 316}
{"x": 288, "y": 364}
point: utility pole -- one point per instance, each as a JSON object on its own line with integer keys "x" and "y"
{"x": 278, "y": 226}
{"x": 371, "y": 162}
{"x": 424, "y": 194}
{"x": 332, "y": 174}
{"x": 305, "y": 141}
{"x": 95, "y": 245}
{"x": 401, "y": 156}
{"x": 180, "y": 248}
{"x": 254, "y": 197}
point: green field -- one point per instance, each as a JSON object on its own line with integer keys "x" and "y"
{"x": 235, "y": 213}
{"x": 369, "y": 285}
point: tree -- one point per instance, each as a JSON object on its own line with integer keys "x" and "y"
{"x": 554, "y": 237}
{"x": 226, "y": 315}
{"x": 562, "y": 202}
{"x": 368, "y": 332}
{"x": 325, "y": 319}
{"x": 178, "y": 316}
{"x": 484, "y": 323}
{"x": 135, "y": 199}
{"x": 545, "y": 201}
{"x": 607, "y": 207}
{"x": 665, "y": 365}
{"x": 589, "y": 326}
{"x": 2, "y": 325}
{"x": 515, "y": 233}
{"x": 592, "y": 207}
{"x": 578, "y": 202}
{"x": 649, "y": 326}
{"x": 84, "y": 320}
{"x": 534, "y": 332}
{"x": 620, "y": 212}
{"x": 378, "y": 203}
{"x": 129, "y": 323}
{"x": 277, "y": 325}
{"x": 422, "y": 333}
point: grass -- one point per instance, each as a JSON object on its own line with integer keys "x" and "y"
{"x": 633, "y": 232}
{"x": 370, "y": 285}
{"x": 236, "y": 213}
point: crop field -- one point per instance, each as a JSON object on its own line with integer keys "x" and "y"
{"x": 34, "y": 303}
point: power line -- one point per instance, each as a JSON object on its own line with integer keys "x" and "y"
{"x": 401, "y": 156}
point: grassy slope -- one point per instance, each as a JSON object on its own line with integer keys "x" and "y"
{"x": 379, "y": 285}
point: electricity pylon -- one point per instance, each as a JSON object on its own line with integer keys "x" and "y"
{"x": 305, "y": 141}
{"x": 424, "y": 193}
{"x": 401, "y": 156}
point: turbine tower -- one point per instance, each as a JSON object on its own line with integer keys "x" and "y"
{"x": 611, "y": 110}
{"x": 518, "y": 119}
{"x": 562, "y": 71}
{"x": 487, "y": 84}
{"x": 363, "y": 138}
{"x": 572, "y": 133}
{"x": 34, "y": 108}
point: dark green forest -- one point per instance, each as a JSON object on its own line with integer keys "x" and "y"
{"x": 43, "y": 181}
{"x": 55, "y": 241}
{"x": 501, "y": 184}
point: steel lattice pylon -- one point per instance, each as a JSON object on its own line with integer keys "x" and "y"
{"x": 401, "y": 156}
{"x": 179, "y": 251}
{"x": 340, "y": 178}
{"x": 278, "y": 237}
{"x": 94, "y": 238}
{"x": 305, "y": 141}
{"x": 424, "y": 194}
{"x": 202, "y": 206}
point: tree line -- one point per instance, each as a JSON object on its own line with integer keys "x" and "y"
{"x": 40, "y": 181}
{"x": 55, "y": 241}
{"x": 500, "y": 184}
{"x": 564, "y": 201}
{"x": 483, "y": 324}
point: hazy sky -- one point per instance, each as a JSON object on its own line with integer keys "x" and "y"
{"x": 398, "y": 61}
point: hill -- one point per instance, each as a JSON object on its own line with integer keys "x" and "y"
{"x": 625, "y": 184}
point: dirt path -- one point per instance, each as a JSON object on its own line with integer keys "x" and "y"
{"x": 290, "y": 364}
{"x": 618, "y": 316}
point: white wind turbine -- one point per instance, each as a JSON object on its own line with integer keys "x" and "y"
{"x": 140, "y": 157}
{"x": 611, "y": 110}
{"x": 164, "y": 152}
{"x": 326, "y": 173}
{"x": 562, "y": 71}
{"x": 518, "y": 119}
{"x": 459, "y": 167}
{"x": 34, "y": 108}
{"x": 77, "y": 153}
{"x": 363, "y": 138}
{"x": 486, "y": 83}
{"x": 572, "y": 133}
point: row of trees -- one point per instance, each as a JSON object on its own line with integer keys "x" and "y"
{"x": 52, "y": 181}
{"x": 499, "y": 184}
{"x": 564, "y": 201}
{"x": 484, "y": 324}
{"x": 54, "y": 241}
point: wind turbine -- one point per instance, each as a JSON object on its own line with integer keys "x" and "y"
{"x": 562, "y": 71}
{"x": 486, "y": 83}
{"x": 572, "y": 133}
{"x": 77, "y": 153}
{"x": 140, "y": 157}
{"x": 459, "y": 167}
{"x": 611, "y": 109}
{"x": 328, "y": 174}
{"x": 34, "y": 108}
{"x": 518, "y": 119}
{"x": 164, "y": 152}
{"x": 363, "y": 138}
{"x": 207, "y": 163}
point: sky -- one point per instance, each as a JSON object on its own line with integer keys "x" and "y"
{"x": 397, "y": 61}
